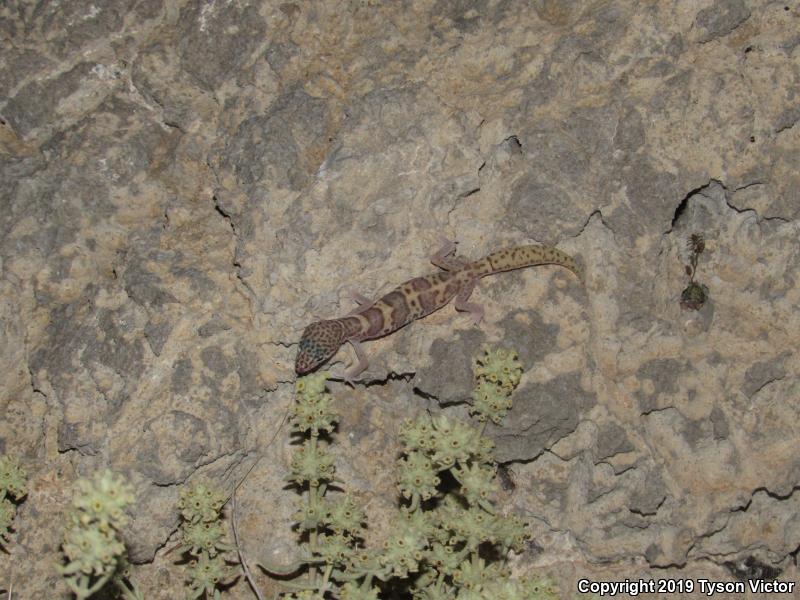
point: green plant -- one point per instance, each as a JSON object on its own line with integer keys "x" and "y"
{"x": 94, "y": 552}
{"x": 449, "y": 540}
{"x": 203, "y": 539}
{"x": 497, "y": 374}
{"x": 695, "y": 294}
{"x": 13, "y": 488}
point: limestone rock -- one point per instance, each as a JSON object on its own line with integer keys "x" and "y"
{"x": 186, "y": 186}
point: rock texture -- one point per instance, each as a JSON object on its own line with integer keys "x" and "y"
{"x": 185, "y": 185}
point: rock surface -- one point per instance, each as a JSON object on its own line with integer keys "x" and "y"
{"x": 187, "y": 185}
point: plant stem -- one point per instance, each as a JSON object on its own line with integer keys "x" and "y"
{"x": 313, "y": 534}
{"x": 326, "y": 576}
{"x": 367, "y": 582}
{"x": 99, "y": 584}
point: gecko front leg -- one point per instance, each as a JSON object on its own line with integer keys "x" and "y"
{"x": 353, "y": 372}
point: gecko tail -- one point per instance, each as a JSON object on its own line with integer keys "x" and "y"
{"x": 528, "y": 256}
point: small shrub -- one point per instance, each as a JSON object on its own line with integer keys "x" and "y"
{"x": 203, "y": 539}
{"x": 93, "y": 549}
{"x": 13, "y": 488}
{"x": 448, "y": 541}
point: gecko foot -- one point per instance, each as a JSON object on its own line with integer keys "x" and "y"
{"x": 475, "y": 312}
{"x": 351, "y": 375}
{"x": 359, "y": 299}
{"x": 444, "y": 259}
{"x": 362, "y": 302}
{"x": 448, "y": 246}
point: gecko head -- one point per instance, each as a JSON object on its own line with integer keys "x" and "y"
{"x": 319, "y": 342}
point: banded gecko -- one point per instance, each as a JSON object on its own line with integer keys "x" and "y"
{"x": 415, "y": 299}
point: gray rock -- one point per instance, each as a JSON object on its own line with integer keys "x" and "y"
{"x": 721, "y": 18}
{"x": 185, "y": 188}
{"x": 541, "y": 416}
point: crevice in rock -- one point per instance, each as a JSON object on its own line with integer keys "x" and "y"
{"x": 173, "y": 125}
{"x": 681, "y": 208}
{"x": 747, "y": 185}
{"x": 281, "y": 343}
{"x": 513, "y": 143}
{"x": 379, "y": 381}
{"x": 470, "y": 192}
{"x": 746, "y": 209}
{"x": 538, "y": 517}
{"x": 684, "y": 203}
{"x": 251, "y": 295}
{"x": 31, "y": 379}
{"x": 772, "y": 495}
{"x": 763, "y": 385}
{"x": 597, "y": 212}
{"x": 669, "y": 566}
{"x": 230, "y": 470}
{"x": 82, "y": 449}
{"x": 593, "y": 498}
{"x": 788, "y": 120}
{"x": 210, "y": 462}
{"x": 621, "y": 472}
{"x": 648, "y": 513}
{"x": 547, "y": 451}
{"x": 390, "y": 376}
{"x": 224, "y": 214}
{"x": 658, "y": 409}
{"x": 420, "y": 393}
{"x": 794, "y": 554}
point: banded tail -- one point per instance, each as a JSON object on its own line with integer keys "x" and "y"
{"x": 526, "y": 256}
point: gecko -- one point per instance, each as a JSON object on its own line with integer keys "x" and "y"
{"x": 414, "y": 299}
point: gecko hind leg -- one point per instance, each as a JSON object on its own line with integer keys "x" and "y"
{"x": 475, "y": 310}
{"x": 443, "y": 259}
{"x": 351, "y": 374}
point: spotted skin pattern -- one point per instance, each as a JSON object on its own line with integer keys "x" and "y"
{"x": 415, "y": 299}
